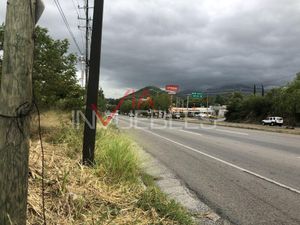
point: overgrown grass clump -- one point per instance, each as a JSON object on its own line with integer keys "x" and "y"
{"x": 116, "y": 154}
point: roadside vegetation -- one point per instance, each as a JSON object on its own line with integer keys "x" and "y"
{"x": 283, "y": 102}
{"x": 112, "y": 192}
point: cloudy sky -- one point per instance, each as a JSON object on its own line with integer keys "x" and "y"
{"x": 197, "y": 44}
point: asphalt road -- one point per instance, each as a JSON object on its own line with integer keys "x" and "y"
{"x": 248, "y": 177}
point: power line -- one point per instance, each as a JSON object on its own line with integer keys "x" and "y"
{"x": 79, "y": 24}
{"x": 87, "y": 28}
{"x": 67, "y": 24}
{"x": 76, "y": 9}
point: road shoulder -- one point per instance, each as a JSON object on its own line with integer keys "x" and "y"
{"x": 175, "y": 188}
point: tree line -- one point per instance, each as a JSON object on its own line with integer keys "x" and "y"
{"x": 283, "y": 102}
{"x": 55, "y": 84}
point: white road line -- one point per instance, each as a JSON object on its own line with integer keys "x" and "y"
{"x": 226, "y": 163}
{"x": 189, "y": 132}
{"x": 220, "y": 130}
{"x": 232, "y": 132}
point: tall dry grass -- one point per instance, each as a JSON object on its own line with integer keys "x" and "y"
{"x": 109, "y": 193}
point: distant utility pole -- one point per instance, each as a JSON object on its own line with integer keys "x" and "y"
{"x": 87, "y": 33}
{"x": 187, "y": 102}
{"x": 16, "y": 104}
{"x": 262, "y": 90}
{"x": 87, "y": 27}
{"x": 82, "y": 61}
{"x": 207, "y": 102}
{"x": 254, "y": 89}
{"x": 187, "y": 105}
{"x": 171, "y": 99}
{"x": 93, "y": 84}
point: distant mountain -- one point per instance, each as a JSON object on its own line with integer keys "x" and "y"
{"x": 149, "y": 91}
{"x": 223, "y": 90}
{"x": 246, "y": 89}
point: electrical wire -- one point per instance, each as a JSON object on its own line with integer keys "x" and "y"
{"x": 67, "y": 24}
{"x": 79, "y": 24}
{"x": 76, "y": 10}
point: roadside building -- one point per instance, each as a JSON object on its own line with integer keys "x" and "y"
{"x": 218, "y": 111}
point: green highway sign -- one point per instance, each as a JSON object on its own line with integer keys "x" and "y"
{"x": 197, "y": 95}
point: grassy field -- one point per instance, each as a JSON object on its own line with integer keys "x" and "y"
{"x": 112, "y": 192}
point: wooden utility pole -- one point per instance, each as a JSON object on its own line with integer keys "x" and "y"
{"x": 15, "y": 106}
{"x": 93, "y": 85}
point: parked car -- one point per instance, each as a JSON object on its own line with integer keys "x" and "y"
{"x": 176, "y": 116}
{"x": 131, "y": 114}
{"x": 272, "y": 121}
{"x": 197, "y": 115}
{"x": 168, "y": 116}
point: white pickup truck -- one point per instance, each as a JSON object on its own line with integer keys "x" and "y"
{"x": 272, "y": 121}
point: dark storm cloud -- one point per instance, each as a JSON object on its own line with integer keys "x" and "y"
{"x": 161, "y": 42}
{"x": 196, "y": 44}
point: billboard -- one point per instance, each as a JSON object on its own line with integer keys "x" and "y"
{"x": 172, "y": 89}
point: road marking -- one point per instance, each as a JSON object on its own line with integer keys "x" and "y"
{"x": 232, "y": 132}
{"x": 142, "y": 120}
{"x": 189, "y": 132}
{"x": 226, "y": 163}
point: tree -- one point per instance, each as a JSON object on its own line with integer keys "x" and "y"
{"x": 255, "y": 108}
{"x": 220, "y": 100}
{"x": 234, "y": 107}
{"x": 291, "y": 101}
{"x": 101, "y": 101}
{"x": 126, "y": 107}
{"x": 54, "y": 73}
{"x": 162, "y": 102}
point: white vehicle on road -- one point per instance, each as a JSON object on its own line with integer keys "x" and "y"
{"x": 131, "y": 114}
{"x": 176, "y": 116}
{"x": 272, "y": 121}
